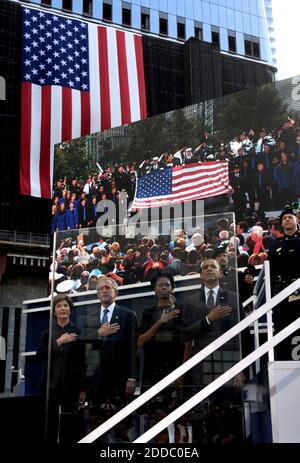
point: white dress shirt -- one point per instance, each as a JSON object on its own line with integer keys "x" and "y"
{"x": 110, "y": 309}
{"x": 214, "y": 290}
{"x": 214, "y": 294}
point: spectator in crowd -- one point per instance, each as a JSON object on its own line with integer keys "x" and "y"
{"x": 262, "y": 186}
{"x": 284, "y": 179}
{"x": 175, "y": 268}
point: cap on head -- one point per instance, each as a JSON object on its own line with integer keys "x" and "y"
{"x": 286, "y": 210}
{"x": 197, "y": 239}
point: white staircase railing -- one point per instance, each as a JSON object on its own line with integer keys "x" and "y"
{"x": 219, "y": 342}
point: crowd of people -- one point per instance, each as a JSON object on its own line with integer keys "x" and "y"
{"x": 124, "y": 349}
{"x": 264, "y": 171}
{"x": 78, "y": 265}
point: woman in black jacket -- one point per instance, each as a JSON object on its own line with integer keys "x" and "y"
{"x": 66, "y": 381}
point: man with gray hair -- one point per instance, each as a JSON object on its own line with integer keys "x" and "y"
{"x": 112, "y": 357}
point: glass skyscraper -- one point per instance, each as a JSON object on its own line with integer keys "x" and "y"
{"x": 241, "y": 27}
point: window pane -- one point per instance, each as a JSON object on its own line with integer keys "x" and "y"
{"x": 198, "y": 33}
{"x": 163, "y": 26}
{"x": 256, "y": 49}
{"x": 215, "y": 38}
{"x": 126, "y": 17}
{"x": 181, "y": 31}
{"x": 145, "y": 22}
{"x": 67, "y": 5}
{"x": 232, "y": 43}
{"x": 88, "y": 7}
{"x": 107, "y": 11}
{"x": 248, "y": 48}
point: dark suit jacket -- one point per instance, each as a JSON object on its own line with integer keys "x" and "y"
{"x": 195, "y": 326}
{"x": 111, "y": 359}
{"x": 67, "y": 363}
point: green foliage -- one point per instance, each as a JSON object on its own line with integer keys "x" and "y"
{"x": 73, "y": 159}
{"x": 251, "y": 109}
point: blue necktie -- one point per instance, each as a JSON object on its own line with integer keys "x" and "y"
{"x": 84, "y": 213}
{"x": 104, "y": 316}
{"x": 259, "y": 180}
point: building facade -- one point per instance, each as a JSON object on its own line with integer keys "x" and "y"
{"x": 237, "y": 26}
{"x": 193, "y": 51}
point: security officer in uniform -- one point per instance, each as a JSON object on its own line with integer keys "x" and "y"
{"x": 284, "y": 256}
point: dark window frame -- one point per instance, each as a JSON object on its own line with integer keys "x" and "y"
{"x": 68, "y": 2}
{"x": 126, "y": 16}
{"x": 87, "y": 7}
{"x": 252, "y": 47}
{"x": 163, "y": 24}
{"x": 232, "y": 40}
{"x": 107, "y": 8}
{"x": 181, "y": 36}
{"x": 145, "y": 18}
{"x": 215, "y": 34}
{"x": 198, "y": 32}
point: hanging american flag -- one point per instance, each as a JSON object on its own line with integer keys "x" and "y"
{"x": 78, "y": 78}
{"x": 182, "y": 183}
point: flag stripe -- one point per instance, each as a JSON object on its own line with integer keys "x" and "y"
{"x": 76, "y": 114}
{"x": 114, "y": 79}
{"x": 200, "y": 175}
{"x": 78, "y": 78}
{"x": 25, "y": 139}
{"x": 132, "y": 77}
{"x": 85, "y": 113}
{"x": 174, "y": 200}
{"x": 45, "y": 142}
{"x": 201, "y": 190}
{"x": 94, "y": 70}
{"x": 56, "y": 125}
{"x": 35, "y": 140}
{"x": 104, "y": 79}
{"x": 214, "y": 180}
{"x": 179, "y": 171}
{"x": 184, "y": 185}
{"x": 141, "y": 77}
{"x": 66, "y": 122}
{"x": 123, "y": 77}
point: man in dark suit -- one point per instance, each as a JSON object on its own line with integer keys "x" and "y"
{"x": 209, "y": 313}
{"x": 112, "y": 331}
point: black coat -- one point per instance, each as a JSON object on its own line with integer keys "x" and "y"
{"x": 195, "y": 326}
{"x": 67, "y": 363}
{"x": 111, "y": 360}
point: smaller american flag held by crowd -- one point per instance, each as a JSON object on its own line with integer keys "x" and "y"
{"x": 182, "y": 183}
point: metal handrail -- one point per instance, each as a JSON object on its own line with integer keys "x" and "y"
{"x": 217, "y": 383}
{"x": 174, "y": 375}
{"x": 17, "y": 237}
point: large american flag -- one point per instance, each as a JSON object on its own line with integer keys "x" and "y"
{"x": 77, "y": 78}
{"x": 182, "y": 183}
